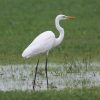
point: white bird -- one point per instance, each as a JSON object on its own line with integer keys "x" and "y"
{"x": 44, "y": 42}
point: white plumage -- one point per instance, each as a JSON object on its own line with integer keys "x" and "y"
{"x": 46, "y": 40}
{"x": 40, "y": 44}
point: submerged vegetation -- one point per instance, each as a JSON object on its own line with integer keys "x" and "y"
{"x": 70, "y": 74}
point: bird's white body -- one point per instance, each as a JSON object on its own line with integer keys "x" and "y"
{"x": 46, "y": 40}
{"x": 41, "y": 44}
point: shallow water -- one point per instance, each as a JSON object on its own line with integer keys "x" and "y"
{"x": 20, "y": 77}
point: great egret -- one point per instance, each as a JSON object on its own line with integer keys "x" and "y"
{"x": 44, "y": 42}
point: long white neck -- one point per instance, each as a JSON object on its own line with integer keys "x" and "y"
{"x": 61, "y": 31}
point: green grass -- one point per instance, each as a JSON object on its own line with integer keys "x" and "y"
{"x": 21, "y": 21}
{"x": 67, "y": 94}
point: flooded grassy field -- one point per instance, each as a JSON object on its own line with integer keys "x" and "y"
{"x": 21, "y": 21}
{"x": 68, "y": 75}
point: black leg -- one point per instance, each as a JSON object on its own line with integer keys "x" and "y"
{"x": 46, "y": 70}
{"x": 35, "y": 75}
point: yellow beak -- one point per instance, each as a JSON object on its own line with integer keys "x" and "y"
{"x": 71, "y": 17}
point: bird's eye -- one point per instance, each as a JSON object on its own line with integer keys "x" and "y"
{"x": 64, "y": 16}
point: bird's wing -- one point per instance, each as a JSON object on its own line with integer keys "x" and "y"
{"x": 43, "y": 36}
{"x": 40, "y": 44}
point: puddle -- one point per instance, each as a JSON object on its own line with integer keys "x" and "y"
{"x": 20, "y": 77}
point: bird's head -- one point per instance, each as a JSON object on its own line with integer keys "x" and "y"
{"x": 63, "y": 17}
